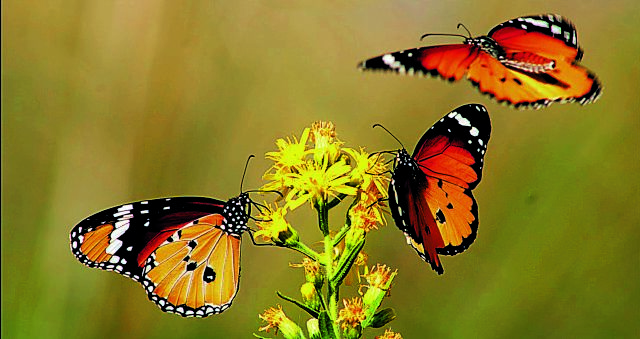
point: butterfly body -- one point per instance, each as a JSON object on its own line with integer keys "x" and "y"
{"x": 430, "y": 193}
{"x": 525, "y": 62}
{"x": 185, "y": 251}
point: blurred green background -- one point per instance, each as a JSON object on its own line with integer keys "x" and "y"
{"x": 105, "y": 102}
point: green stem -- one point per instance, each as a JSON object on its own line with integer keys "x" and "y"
{"x": 332, "y": 290}
{"x": 335, "y": 201}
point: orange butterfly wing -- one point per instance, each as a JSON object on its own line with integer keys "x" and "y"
{"x": 196, "y": 271}
{"x": 451, "y": 155}
{"x": 430, "y": 193}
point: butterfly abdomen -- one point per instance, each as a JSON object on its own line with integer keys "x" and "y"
{"x": 528, "y": 62}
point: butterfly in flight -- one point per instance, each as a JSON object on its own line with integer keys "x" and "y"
{"x": 185, "y": 251}
{"x": 527, "y": 62}
{"x": 430, "y": 192}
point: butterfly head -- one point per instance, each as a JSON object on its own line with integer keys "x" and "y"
{"x": 403, "y": 159}
{"x": 488, "y": 45}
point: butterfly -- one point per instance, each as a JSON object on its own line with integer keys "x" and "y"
{"x": 185, "y": 251}
{"x": 430, "y": 194}
{"x": 527, "y": 62}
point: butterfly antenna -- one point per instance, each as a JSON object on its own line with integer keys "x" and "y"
{"x": 391, "y": 134}
{"x": 465, "y": 28}
{"x": 442, "y": 34}
{"x": 245, "y": 170}
{"x": 266, "y": 191}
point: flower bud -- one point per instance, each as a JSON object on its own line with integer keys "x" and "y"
{"x": 276, "y": 318}
{"x": 313, "y": 327}
{"x": 310, "y": 296}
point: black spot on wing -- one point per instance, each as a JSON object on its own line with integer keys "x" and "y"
{"x": 209, "y": 275}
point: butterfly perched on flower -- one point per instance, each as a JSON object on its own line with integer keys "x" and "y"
{"x": 185, "y": 251}
{"x": 526, "y": 62}
{"x": 430, "y": 194}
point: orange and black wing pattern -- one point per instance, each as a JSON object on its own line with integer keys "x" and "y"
{"x": 449, "y": 62}
{"x": 540, "y": 64}
{"x": 430, "y": 194}
{"x": 527, "y": 62}
{"x": 185, "y": 251}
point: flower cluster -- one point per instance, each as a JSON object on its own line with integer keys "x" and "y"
{"x": 316, "y": 167}
{"x": 317, "y": 170}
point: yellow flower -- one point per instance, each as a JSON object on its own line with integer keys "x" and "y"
{"x": 365, "y": 217}
{"x": 361, "y": 260}
{"x": 389, "y": 334}
{"x": 274, "y": 227}
{"x": 302, "y": 177}
{"x": 291, "y": 155}
{"x": 352, "y": 314}
{"x": 319, "y": 182}
{"x": 274, "y": 317}
{"x": 327, "y": 146}
{"x": 369, "y": 174}
{"x": 380, "y": 277}
{"x": 311, "y": 269}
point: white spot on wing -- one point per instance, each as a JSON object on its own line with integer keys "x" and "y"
{"x": 121, "y": 223}
{"x": 463, "y": 121}
{"x": 119, "y": 231}
{"x": 115, "y": 215}
{"x": 114, "y": 246}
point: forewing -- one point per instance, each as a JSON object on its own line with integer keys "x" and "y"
{"x": 113, "y": 239}
{"x": 549, "y": 35}
{"x": 451, "y": 155}
{"x": 449, "y": 62}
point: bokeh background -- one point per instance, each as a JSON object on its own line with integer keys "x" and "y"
{"x": 105, "y": 102}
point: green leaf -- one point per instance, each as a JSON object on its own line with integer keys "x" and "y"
{"x": 309, "y": 310}
{"x": 382, "y": 318}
